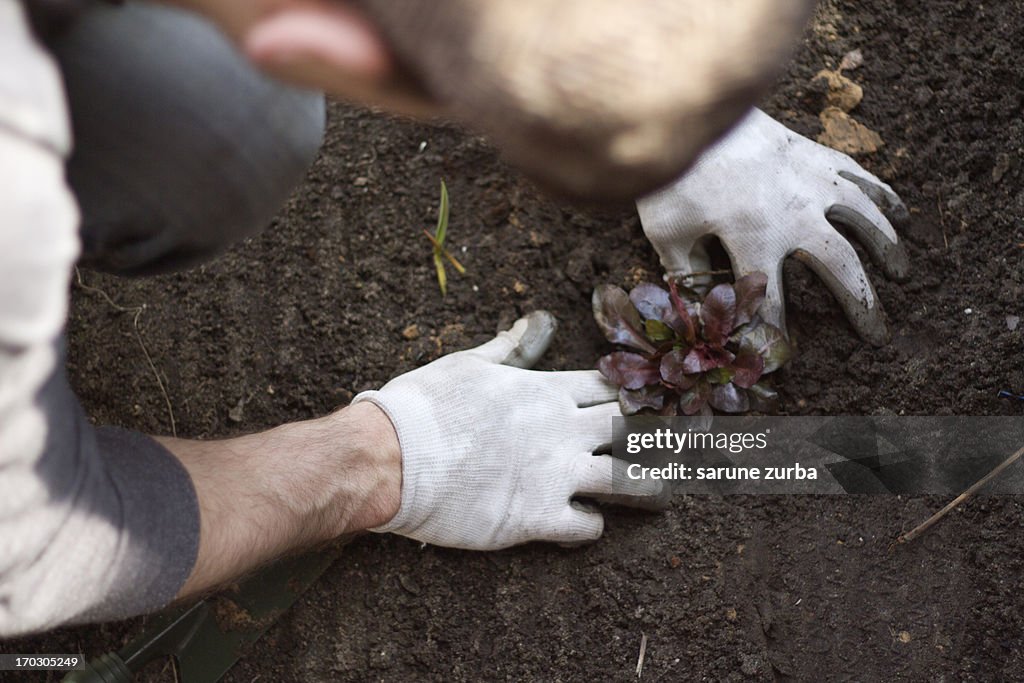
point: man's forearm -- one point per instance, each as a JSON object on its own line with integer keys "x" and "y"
{"x": 264, "y": 495}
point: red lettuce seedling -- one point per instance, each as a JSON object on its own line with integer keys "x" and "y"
{"x": 689, "y": 356}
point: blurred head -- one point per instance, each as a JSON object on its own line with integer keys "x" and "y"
{"x": 601, "y": 99}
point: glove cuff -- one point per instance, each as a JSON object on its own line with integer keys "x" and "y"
{"x": 415, "y": 456}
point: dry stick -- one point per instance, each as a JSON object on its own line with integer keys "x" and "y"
{"x": 920, "y": 529}
{"x": 156, "y": 373}
{"x": 137, "y": 310}
{"x": 640, "y": 657}
{"x": 447, "y": 254}
{"x": 703, "y": 273}
{"x": 942, "y": 219}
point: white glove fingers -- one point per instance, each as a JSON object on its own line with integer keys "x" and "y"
{"x": 672, "y": 239}
{"x": 697, "y": 261}
{"x": 890, "y": 256}
{"x": 575, "y": 526}
{"x": 594, "y": 425}
{"x": 745, "y": 262}
{"x": 608, "y": 479}
{"x": 586, "y": 387}
{"x": 773, "y": 310}
{"x": 880, "y": 193}
{"x": 835, "y": 262}
{"x": 523, "y": 344}
{"x": 858, "y": 212}
{"x": 676, "y": 260}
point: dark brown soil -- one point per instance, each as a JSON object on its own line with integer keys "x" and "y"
{"x": 293, "y": 323}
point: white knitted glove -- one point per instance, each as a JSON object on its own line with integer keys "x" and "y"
{"x": 492, "y": 454}
{"x": 768, "y": 193}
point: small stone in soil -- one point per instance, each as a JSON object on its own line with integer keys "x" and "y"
{"x": 845, "y": 134}
{"x": 235, "y": 414}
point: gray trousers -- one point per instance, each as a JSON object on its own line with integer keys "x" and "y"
{"x": 180, "y": 149}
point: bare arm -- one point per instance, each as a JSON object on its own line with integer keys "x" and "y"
{"x": 264, "y": 495}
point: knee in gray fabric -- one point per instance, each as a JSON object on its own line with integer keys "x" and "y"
{"x": 177, "y": 223}
{"x": 181, "y": 146}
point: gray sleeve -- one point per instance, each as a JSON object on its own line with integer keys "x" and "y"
{"x": 94, "y": 523}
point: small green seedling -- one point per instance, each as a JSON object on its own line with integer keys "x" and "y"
{"x": 438, "y": 238}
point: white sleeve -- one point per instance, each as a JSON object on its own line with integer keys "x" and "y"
{"x": 94, "y": 523}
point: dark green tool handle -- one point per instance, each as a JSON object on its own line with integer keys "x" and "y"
{"x": 108, "y": 668}
{"x": 205, "y": 646}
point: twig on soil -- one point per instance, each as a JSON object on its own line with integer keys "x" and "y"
{"x": 942, "y": 219}
{"x": 137, "y": 310}
{"x": 703, "y": 273}
{"x": 640, "y": 658}
{"x": 931, "y": 521}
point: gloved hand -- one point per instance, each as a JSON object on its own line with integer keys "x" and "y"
{"x": 492, "y": 454}
{"x": 768, "y": 193}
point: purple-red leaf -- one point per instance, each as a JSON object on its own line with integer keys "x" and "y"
{"x": 729, "y": 398}
{"x": 629, "y": 370}
{"x": 750, "y": 292}
{"x": 690, "y": 297}
{"x": 747, "y": 369}
{"x": 632, "y": 402}
{"x": 655, "y": 303}
{"x": 763, "y": 398}
{"x": 703, "y": 422}
{"x": 696, "y": 398}
{"x": 619, "y": 319}
{"x": 718, "y": 314}
{"x": 652, "y": 302}
{"x": 685, "y": 327}
{"x": 703, "y": 358}
{"x": 671, "y": 409}
{"x": 673, "y": 372}
{"x": 768, "y": 342}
